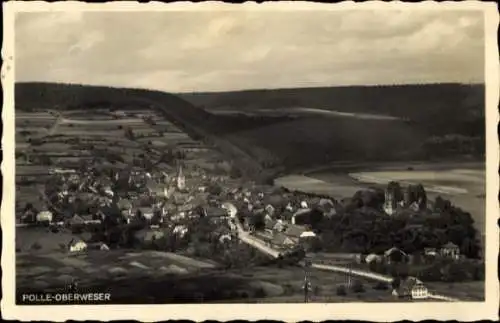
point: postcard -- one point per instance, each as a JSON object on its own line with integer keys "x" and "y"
{"x": 286, "y": 161}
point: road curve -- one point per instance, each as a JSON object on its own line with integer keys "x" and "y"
{"x": 257, "y": 244}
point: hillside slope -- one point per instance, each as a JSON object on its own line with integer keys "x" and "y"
{"x": 437, "y": 108}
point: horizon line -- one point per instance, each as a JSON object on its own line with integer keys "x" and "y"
{"x": 257, "y": 89}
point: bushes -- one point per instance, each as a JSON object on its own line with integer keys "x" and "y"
{"x": 381, "y": 286}
{"x": 341, "y": 290}
{"x": 358, "y": 287}
{"x": 260, "y": 293}
{"x": 288, "y": 289}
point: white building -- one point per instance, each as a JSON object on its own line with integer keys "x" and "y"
{"x": 78, "y": 246}
{"x": 44, "y": 216}
{"x": 419, "y": 291}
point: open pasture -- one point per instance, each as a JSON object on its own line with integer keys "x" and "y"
{"x": 101, "y": 122}
{"x": 24, "y": 170}
{"x": 34, "y": 115}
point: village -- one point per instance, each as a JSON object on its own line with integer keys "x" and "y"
{"x": 158, "y": 205}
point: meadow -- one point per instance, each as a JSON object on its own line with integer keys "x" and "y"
{"x": 129, "y": 275}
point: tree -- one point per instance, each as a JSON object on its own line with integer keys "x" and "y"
{"x": 214, "y": 189}
{"x": 341, "y": 290}
{"x": 396, "y": 190}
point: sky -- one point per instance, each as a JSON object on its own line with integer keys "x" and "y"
{"x": 197, "y": 51}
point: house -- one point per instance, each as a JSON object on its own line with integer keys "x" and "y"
{"x": 104, "y": 247}
{"x": 226, "y": 237}
{"x": 294, "y": 232}
{"x": 148, "y": 235}
{"x": 88, "y": 219}
{"x": 299, "y": 213}
{"x": 77, "y": 246}
{"x": 98, "y": 246}
{"x": 373, "y": 258}
{"x": 44, "y": 216}
{"x": 279, "y": 226}
{"x": 430, "y": 252}
{"x": 215, "y": 212}
{"x": 270, "y": 209}
{"x": 180, "y": 230}
{"x": 394, "y": 255}
{"x": 412, "y": 288}
{"x": 108, "y": 191}
{"x": 281, "y": 240}
{"x": 124, "y": 204}
{"x": 146, "y": 212}
{"x": 76, "y": 220}
{"x": 304, "y": 205}
{"x": 450, "y": 250}
{"x": 307, "y": 234}
{"x": 231, "y": 209}
{"x": 414, "y": 206}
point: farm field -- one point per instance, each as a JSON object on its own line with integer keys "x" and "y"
{"x": 53, "y": 270}
{"x": 119, "y": 271}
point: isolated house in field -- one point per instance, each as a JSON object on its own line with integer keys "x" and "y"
{"x": 450, "y": 250}
{"x": 44, "y": 217}
{"x": 411, "y": 288}
{"x": 77, "y": 246}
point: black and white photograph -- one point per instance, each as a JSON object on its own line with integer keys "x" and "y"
{"x": 251, "y": 154}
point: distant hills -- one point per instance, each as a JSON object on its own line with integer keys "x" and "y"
{"x": 439, "y": 108}
{"x": 436, "y": 121}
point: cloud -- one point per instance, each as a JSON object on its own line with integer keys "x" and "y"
{"x": 204, "y": 51}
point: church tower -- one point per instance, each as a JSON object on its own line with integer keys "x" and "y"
{"x": 389, "y": 203}
{"x": 181, "y": 180}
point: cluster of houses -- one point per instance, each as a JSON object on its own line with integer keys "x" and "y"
{"x": 164, "y": 201}
{"x": 396, "y": 255}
